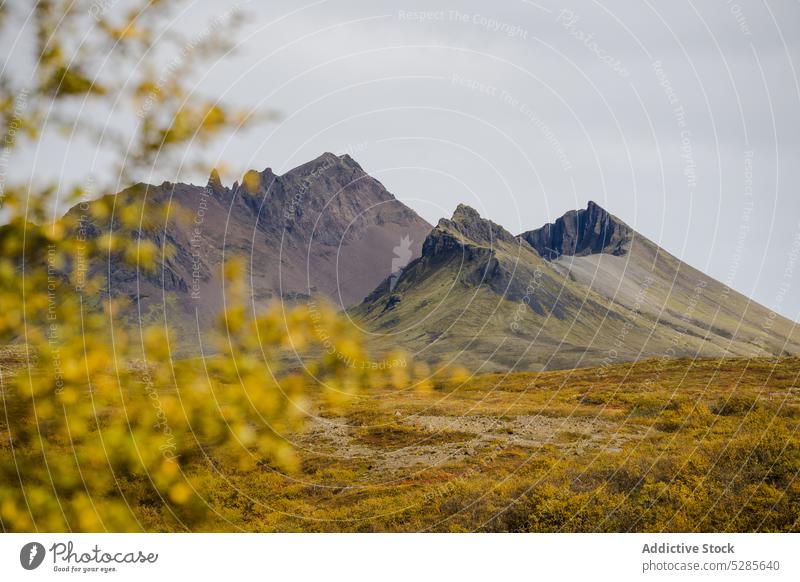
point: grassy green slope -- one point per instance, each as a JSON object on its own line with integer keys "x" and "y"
{"x": 486, "y": 299}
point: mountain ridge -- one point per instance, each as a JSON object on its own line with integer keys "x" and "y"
{"x": 324, "y": 228}
{"x": 601, "y": 293}
{"x": 582, "y": 290}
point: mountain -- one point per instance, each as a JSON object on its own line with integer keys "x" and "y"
{"x": 585, "y": 290}
{"x": 324, "y": 228}
{"x": 604, "y": 254}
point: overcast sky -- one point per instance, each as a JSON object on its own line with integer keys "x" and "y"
{"x": 682, "y": 118}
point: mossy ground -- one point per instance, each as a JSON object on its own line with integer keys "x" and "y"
{"x": 658, "y": 445}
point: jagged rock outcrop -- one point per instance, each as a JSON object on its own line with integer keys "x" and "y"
{"x": 214, "y": 181}
{"x": 472, "y": 227}
{"x": 581, "y": 232}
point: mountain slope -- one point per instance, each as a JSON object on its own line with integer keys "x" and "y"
{"x": 325, "y": 228}
{"x": 489, "y": 300}
{"x": 636, "y": 273}
{"x": 482, "y": 297}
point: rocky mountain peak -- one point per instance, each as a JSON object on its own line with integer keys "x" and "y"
{"x": 466, "y": 229}
{"x": 328, "y": 198}
{"x": 470, "y": 225}
{"x": 465, "y": 214}
{"x": 582, "y": 232}
{"x": 327, "y": 164}
{"x": 215, "y": 182}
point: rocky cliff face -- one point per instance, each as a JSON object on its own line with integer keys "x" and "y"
{"x": 581, "y": 232}
{"x": 473, "y": 228}
{"x": 483, "y": 249}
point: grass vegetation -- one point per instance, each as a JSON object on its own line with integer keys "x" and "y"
{"x": 652, "y": 446}
{"x": 679, "y": 445}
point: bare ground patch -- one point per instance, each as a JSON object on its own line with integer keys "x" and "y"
{"x": 430, "y": 440}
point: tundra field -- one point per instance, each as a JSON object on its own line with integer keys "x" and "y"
{"x": 658, "y": 445}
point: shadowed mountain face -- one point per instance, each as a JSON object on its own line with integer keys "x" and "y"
{"x": 586, "y": 290}
{"x": 581, "y": 232}
{"x": 325, "y": 228}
